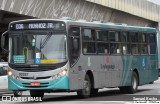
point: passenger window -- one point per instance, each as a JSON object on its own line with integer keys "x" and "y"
{"x": 88, "y": 41}
{"x": 144, "y": 49}
{"x": 114, "y": 36}
{"x": 152, "y": 48}
{"x": 125, "y": 37}
{"x": 102, "y": 35}
{"x": 143, "y": 38}
{"x": 152, "y": 43}
{"x": 134, "y": 37}
{"x": 88, "y": 34}
{"x": 103, "y": 48}
{"x": 115, "y": 45}
{"x": 115, "y": 48}
{"x": 143, "y": 43}
{"x": 135, "y": 48}
{"x": 89, "y": 47}
{"x": 152, "y": 38}
{"x": 126, "y": 48}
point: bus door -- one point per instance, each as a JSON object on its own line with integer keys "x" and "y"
{"x": 74, "y": 54}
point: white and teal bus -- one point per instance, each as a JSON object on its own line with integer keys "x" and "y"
{"x": 49, "y": 55}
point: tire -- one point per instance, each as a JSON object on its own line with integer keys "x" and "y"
{"x": 86, "y": 92}
{"x": 17, "y": 93}
{"x": 94, "y": 92}
{"x": 134, "y": 84}
{"x": 151, "y": 82}
{"x": 37, "y": 93}
{"x": 123, "y": 89}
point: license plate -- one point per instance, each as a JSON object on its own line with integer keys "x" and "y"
{"x": 35, "y": 84}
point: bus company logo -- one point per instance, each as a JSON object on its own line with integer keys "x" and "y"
{"x": 107, "y": 60}
{"x": 6, "y": 98}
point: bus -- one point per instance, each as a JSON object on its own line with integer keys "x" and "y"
{"x": 50, "y": 55}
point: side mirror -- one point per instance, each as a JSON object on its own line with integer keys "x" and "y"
{"x": 3, "y": 40}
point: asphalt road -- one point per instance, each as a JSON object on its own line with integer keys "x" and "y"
{"x": 105, "y": 96}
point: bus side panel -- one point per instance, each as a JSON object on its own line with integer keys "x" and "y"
{"x": 128, "y": 62}
{"x": 153, "y": 68}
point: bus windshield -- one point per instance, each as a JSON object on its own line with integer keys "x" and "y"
{"x": 38, "y": 48}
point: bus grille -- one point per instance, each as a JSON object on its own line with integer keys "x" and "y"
{"x": 47, "y": 77}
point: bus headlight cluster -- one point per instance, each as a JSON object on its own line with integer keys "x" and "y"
{"x": 61, "y": 74}
{"x": 10, "y": 73}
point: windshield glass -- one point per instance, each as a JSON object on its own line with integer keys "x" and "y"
{"x": 38, "y": 48}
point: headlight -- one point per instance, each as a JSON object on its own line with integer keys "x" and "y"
{"x": 10, "y": 73}
{"x": 61, "y": 74}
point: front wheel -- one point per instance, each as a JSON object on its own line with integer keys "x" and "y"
{"x": 86, "y": 91}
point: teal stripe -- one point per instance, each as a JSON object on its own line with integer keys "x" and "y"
{"x": 61, "y": 83}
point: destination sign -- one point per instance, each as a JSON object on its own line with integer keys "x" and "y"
{"x": 35, "y": 26}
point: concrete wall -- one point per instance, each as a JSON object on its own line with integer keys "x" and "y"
{"x": 141, "y": 8}
{"x": 77, "y": 9}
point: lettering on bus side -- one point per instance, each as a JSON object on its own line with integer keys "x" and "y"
{"x": 105, "y": 66}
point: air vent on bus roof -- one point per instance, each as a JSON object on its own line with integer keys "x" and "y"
{"x": 66, "y": 18}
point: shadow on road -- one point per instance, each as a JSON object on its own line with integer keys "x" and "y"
{"x": 110, "y": 95}
{"x": 107, "y": 95}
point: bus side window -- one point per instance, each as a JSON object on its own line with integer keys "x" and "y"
{"x": 88, "y": 41}
{"x": 115, "y": 45}
{"x": 125, "y": 43}
{"x": 88, "y": 34}
{"x": 143, "y": 43}
{"x": 152, "y": 43}
{"x": 135, "y": 47}
{"x": 74, "y": 44}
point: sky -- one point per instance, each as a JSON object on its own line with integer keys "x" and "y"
{"x": 155, "y": 1}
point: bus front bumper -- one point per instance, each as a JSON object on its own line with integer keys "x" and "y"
{"x": 58, "y": 84}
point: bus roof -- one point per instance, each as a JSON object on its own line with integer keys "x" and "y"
{"x": 84, "y": 23}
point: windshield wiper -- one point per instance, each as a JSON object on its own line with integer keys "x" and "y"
{"x": 42, "y": 44}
